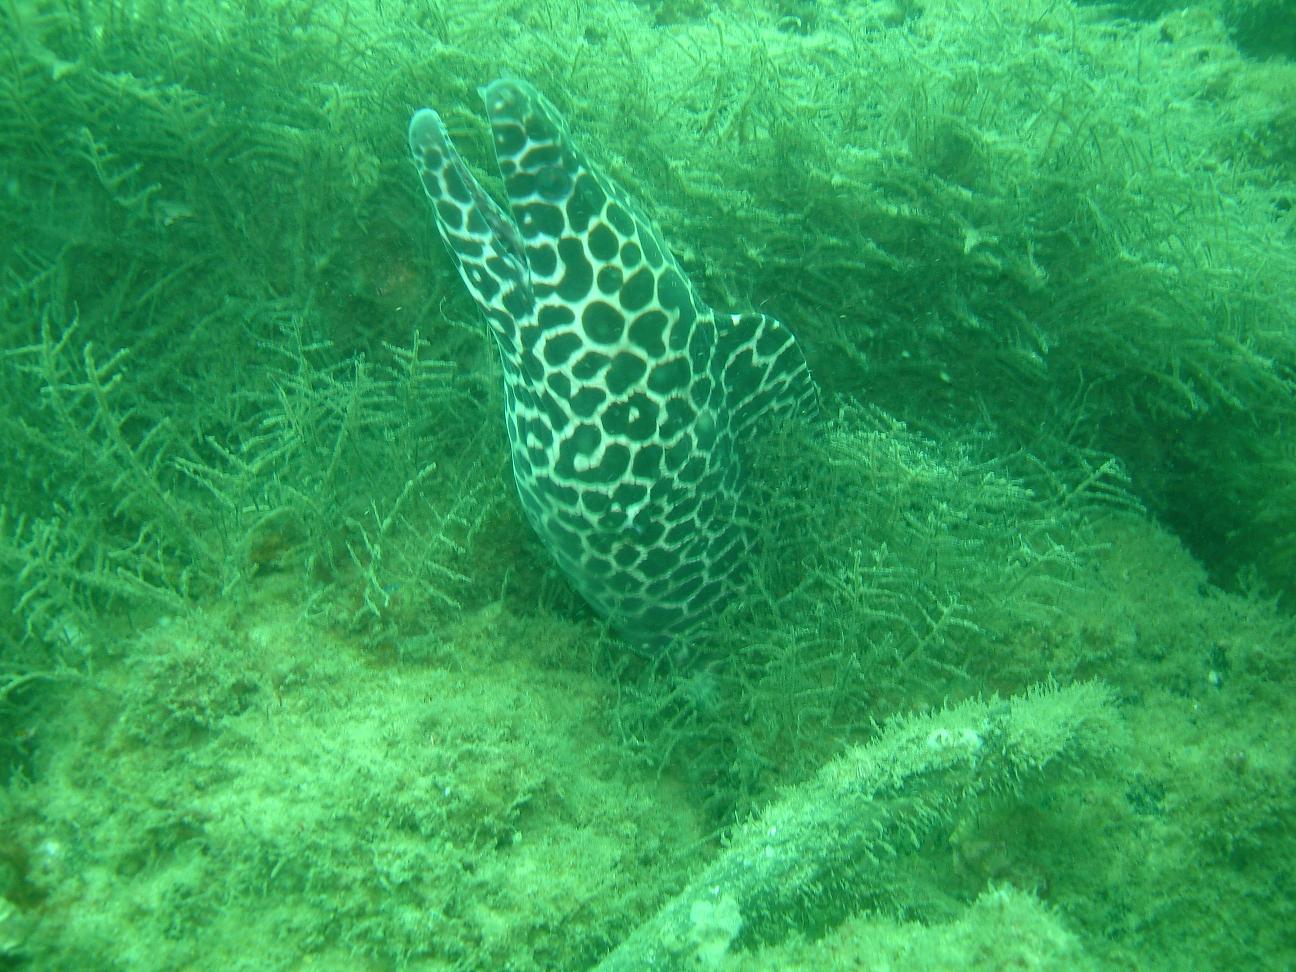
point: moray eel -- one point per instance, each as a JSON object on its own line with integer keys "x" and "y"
{"x": 627, "y": 401}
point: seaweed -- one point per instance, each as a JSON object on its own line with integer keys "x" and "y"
{"x": 885, "y": 574}
{"x": 839, "y": 841}
{"x": 280, "y": 665}
{"x": 1089, "y": 227}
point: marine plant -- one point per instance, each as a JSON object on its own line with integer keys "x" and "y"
{"x": 280, "y": 662}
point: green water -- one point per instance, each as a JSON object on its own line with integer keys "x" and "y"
{"x": 286, "y": 681}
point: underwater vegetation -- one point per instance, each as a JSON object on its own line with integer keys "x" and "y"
{"x": 286, "y": 681}
{"x": 1259, "y": 28}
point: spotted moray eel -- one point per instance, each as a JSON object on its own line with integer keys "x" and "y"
{"x": 627, "y": 401}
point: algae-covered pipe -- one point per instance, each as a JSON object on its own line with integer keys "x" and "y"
{"x": 829, "y": 846}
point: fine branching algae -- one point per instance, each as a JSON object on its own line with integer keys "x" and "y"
{"x": 284, "y": 673}
{"x": 840, "y": 841}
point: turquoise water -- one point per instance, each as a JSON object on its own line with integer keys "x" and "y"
{"x": 287, "y": 679}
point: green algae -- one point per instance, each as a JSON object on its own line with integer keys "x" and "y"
{"x": 839, "y": 842}
{"x": 286, "y": 683}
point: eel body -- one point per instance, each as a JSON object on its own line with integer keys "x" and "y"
{"x": 628, "y": 401}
